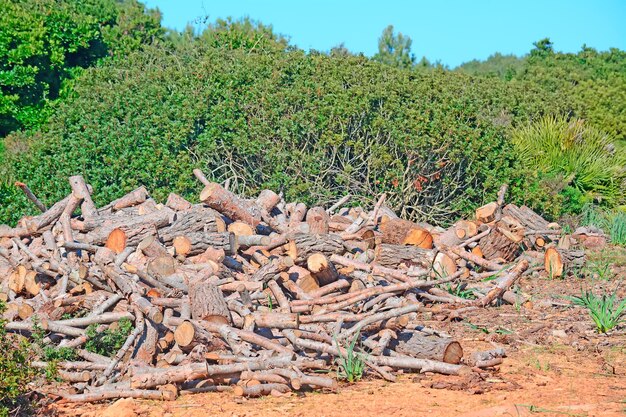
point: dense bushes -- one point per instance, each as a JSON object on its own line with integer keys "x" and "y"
{"x": 45, "y": 42}
{"x": 313, "y": 125}
{"x": 594, "y": 82}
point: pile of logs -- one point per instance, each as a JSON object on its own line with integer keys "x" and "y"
{"x": 257, "y": 296}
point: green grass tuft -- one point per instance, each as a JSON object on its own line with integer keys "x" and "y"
{"x": 352, "y": 364}
{"x": 605, "y": 311}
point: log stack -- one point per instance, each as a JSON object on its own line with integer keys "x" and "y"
{"x": 254, "y": 296}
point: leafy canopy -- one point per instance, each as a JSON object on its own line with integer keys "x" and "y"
{"x": 45, "y": 42}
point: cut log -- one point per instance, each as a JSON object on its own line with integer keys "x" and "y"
{"x": 303, "y": 278}
{"x": 198, "y": 218}
{"x": 207, "y": 302}
{"x": 558, "y": 261}
{"x": 422, "y": 346}
{"x": 272, "y": 269}
{"x": 267, "y": 200}
{"x": 177, "y": 203}
{"x": 240, "y": 228}
{"x": 487, "y": 213}
{"x": 195, "y": 243}
{"x": 318, "y": 220}
{"x": 465, "y": 229}
{"x": 443, "y": 265}
{"x": 497, "y": 245}
{"x": 227, "y": 203}
{"x": 304, "y": 245}
{"x": 404, "y": 232}
{"x": 116, "y": 241}
{"x": 396, "y": 255}
{"x": 189, "y": 335}
{"x": 135, "y": 227}
{"x": 323, "y": 270}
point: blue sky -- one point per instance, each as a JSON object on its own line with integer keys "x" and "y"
{"x": 451, "y": 31}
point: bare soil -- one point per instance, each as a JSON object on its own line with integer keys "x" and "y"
{"x": 557, "y": 365}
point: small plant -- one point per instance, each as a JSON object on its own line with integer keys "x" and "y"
{"x": 599, "y": 269}
{"x": 605, "y": 311}
{"x": 459, "y": 291}
{"x": 16, "y": 371}
{"x": 352, "y": 364}
{"x": 617, "y": 228}
{"x": 108, "y": 342}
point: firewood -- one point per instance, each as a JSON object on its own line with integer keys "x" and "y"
{"x": 177, "y": 203}
{"x": 267, "y": 200}
{"x": 116, "y": 241}
{"x": 317, "y": 219}
{"x": 557, "y": 261}
{"x": 259, "y": 390}
{"x": 487, "y": 213}
{"x": 250, "y": 302}
{"x": 418, "y": 345}
{"x": 403, "y": 232}
{"x": 222, "y": 200}
{"x": 207, "y": 302}
{"x": 395, "y": 255}
{"x": 322, "y": 269}
{"x": 305, "y": 244}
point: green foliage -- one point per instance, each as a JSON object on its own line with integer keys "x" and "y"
{"x": 15, "y": 369}
{"x": 617, "y": 227}
{"x": 497, "y": 65}
{"x": 394, "y": 49}
{"x": 108, "y": 342}
{"x": 351, "y": 365}
{"x": 592, "y": 83}
{"x": 605, "y": 311}
{"x": 246, "y": 34}
{"x": 613, "y": 222}
{"x": 459, "y": 290}
{"x": 578, "y": 162}
{"x": 53, "y": 355}
{"x": 45, "y": 42}
{"x": 315, "y": 126}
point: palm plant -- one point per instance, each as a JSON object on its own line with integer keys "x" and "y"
{"x": 583, "y": 155}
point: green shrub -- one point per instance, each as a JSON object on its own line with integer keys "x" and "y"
{"x": 578, "y": 163}
{"x": 606, "y": 310}
{"x": 15, "y": 370}
{"x": 108, "y": 342}
{"x": 44, "y": 43}
{"x": 613, "y": 222}
{"x": 315, "y": 126}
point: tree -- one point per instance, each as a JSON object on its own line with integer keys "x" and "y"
{"x": 45, "y": 42}
{"x": 394, "y": 50}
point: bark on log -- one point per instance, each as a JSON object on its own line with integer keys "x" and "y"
{"x": 198, "y": 218}
{"x": 404, "y": 232}
{"x": 207, "y": 302}
{"x": 317, "y": 219}
{"x": 419, "y": 345}
{"x": 396, "y": 255}
{"x": 196, "y": 243}
{"x": 304, "y": 245}
{"x": 227, "y": 203}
